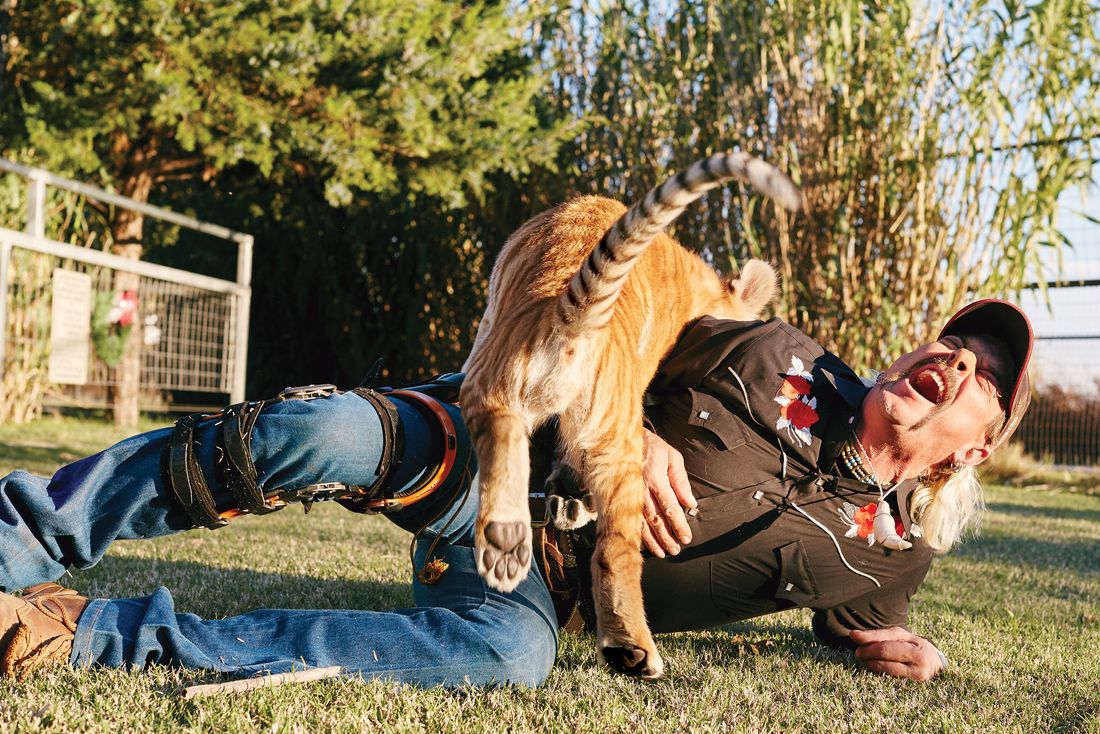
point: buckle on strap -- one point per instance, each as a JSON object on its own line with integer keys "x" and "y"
{"x": 181, "y": 468}
{"x": 556, "y": 557}
{"x": 307, "y": 392}
{"x": 435, "y": 411}
{"x": 234, "y": 457}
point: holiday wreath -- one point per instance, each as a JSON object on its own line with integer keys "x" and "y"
{"x": 112, "y": 321}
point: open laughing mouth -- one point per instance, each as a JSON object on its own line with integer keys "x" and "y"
{"x": 930, "y": 383}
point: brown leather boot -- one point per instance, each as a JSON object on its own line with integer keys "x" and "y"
{"x": 37, "y": 628}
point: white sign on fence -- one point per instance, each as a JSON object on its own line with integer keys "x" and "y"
{"x": 70, "y": 327}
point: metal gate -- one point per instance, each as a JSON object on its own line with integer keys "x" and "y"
{"x": 193, "y": 328}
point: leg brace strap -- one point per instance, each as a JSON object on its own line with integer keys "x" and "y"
{"x": 234, "y": 457}
{"x": 448, "y": 438}
{"x": 381, "y": 499}
{"x": 393, "y": 438}
{"x": 239, "y": 471}
{"x": 181, "y": 467}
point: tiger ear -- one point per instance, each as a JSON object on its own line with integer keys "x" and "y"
{"x": 755, "y": 286}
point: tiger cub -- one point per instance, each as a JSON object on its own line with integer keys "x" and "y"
{"x": 584, "y": 301}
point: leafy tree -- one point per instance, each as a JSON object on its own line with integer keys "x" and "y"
{"x": 354, "y": 99}
{"x": 381, "y": 152}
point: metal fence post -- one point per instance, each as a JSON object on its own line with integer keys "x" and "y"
{"x": 244, "y": 308}
{"x": 5, "y": 266}
{"x": 36, "y": 204}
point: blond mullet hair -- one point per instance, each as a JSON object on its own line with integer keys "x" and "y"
{"x": 946, "y": 505}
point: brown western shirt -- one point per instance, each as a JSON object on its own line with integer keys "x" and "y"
{"x": 760, "y": 412}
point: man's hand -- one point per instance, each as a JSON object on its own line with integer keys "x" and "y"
{"x": 668, "y": 492}
{"x": 898, "y": 652}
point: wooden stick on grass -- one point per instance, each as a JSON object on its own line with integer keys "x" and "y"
{"x": 266, "y": 681}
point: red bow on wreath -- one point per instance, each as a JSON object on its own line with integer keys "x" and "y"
{"x": 124, "y": 309}
{"x": 112, "y": 319}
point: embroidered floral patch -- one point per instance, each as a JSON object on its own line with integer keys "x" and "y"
{"x": 797, "y": 408}
{"x": 861, "y": 524}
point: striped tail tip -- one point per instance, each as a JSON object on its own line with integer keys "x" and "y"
{"x": 769, "y": 180}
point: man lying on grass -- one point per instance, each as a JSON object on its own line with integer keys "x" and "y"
{"x": 777, "y": 479}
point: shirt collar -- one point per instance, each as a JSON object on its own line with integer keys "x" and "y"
{"x": 847, "y": 383}
{"x": 851, "y": 390}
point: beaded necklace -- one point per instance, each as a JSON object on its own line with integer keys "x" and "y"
{"x": 853, "y": 462}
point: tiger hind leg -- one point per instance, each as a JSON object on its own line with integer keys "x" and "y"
{"x": 624, "y": 640}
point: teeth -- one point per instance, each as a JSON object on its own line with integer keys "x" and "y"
{"x": 939, "y": 385}
{"x": 937, "y": 379}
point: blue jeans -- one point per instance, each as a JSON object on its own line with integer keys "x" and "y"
{"x": 460, "y": 632}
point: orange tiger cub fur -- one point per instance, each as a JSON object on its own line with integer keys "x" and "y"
{"x": 584, "y": 301}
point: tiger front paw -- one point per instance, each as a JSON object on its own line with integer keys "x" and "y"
{"x": 503, "y": 550}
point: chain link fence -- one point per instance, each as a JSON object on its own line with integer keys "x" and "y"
{"x": 1063, "y": 425}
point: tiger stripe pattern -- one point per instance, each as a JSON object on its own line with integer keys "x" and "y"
{"x": 590, "y": 298}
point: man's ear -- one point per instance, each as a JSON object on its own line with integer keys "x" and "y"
{"x": 972, "y": 455}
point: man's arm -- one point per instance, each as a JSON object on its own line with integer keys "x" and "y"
{"x": 871, "y": 627}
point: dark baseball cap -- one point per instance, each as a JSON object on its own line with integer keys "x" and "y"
{"x": 1007, "y": 323}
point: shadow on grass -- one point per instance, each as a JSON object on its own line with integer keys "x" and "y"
{"x": 1075, "y": 718}
{"x": 746, "y": 639}
{"x": 1044, "y": 555}
{"x": 731, "y": 644}
{"x": 1054, "y": 513}
{"x": 1073, "y": 704}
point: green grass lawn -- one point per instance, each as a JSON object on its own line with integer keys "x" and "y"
{"x": 1017, "y": 610}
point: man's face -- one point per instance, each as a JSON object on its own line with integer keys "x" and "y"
{"x": 948, "y": 392}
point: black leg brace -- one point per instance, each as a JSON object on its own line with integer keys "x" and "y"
{"x": 234, "y": 465}
{"x": 183, "y": 474}
{"x": 234, "y": 457}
